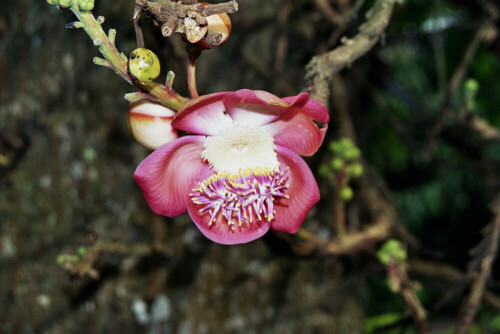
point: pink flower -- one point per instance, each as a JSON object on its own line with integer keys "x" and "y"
{"x": 240, "y": 172}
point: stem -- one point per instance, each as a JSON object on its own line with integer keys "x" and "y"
{"x": 339, "y": 205}
{"x": 138, "y": 29}
{"x": 339, "y": 215}
{"x": 192, "y": 78}
{"x": 119, "y": 62}
{"x": 194, "y": 52}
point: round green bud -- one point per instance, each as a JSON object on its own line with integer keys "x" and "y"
{"x": 82, "y": 251}
{"x": 337, "y": 164}
{"x": 355, "y": 170}
{"x": 144, "y": 64}
{"x": 65, "y": 3}
{"x": 352, "y": 153}
{"x": 346, "y": 143}
{"x": 471, "y": 86}
{"x": 392, "y": 250}
{"x": 86, "y": 4}
{"x": 60, "y": 259}
{"x": 346, "y": 193}
{"x": 53, "y": 2}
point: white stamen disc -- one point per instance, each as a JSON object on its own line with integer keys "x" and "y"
{"x": 239, "y": 148}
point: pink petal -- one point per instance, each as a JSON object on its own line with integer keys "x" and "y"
{"x": 303, "y": 191}
{"x": 221, "y": 232}
{"x": 168, "y": 174}
{"x": 205, "y": 115}
{"x": 297, "y": 129}
{"x": 253, "y": 108}
{"x": 314, "y": 109}
{"x": 297, "y": 132}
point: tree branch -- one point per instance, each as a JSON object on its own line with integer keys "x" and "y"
{"x": 321, "y": 68}
{"x": 479, "y": 284}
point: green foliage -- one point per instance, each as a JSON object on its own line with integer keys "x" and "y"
{"x": 382, "y": 320}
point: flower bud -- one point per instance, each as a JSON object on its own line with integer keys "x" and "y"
{"x": 86, "y": 4}
{"x": 355, "y": 170}
{"x": 346, "y": 193}
{"x": 150, "y": 123}
{"x": 65, "y": 3}
{"x": 337, "y": 164}
{"x": 144, "y": 64}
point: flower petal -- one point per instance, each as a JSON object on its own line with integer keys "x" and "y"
{"x": 205, "y": 115}
{"x": 297, "y": 132}
{"x": 302, "y": 189}
{"x": 311, "y": 107}
{"x": 150, "y": 123}
{"x": 168, "y": 174}
{"x": 253, "y": 108}
{"x": 298, "y": 129}
{"x": 221, "y": 232}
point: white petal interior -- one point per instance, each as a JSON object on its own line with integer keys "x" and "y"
{"x": 239, "y": 148}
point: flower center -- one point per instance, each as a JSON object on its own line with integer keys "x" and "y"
{"x": 241, "y": 198}
{"x": 240, "y": 148}
{"x": 247, "y": 177}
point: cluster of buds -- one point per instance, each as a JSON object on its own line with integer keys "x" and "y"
{"x": 83, "y": 5}
{"x": 343, "y": 167}
{"x": 392, "y": 254}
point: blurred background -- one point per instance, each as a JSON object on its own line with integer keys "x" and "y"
{"x": 422, "y": 106}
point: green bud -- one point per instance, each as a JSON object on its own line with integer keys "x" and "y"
{"x": 65, "y": 3}
{"x": 346, "y": 193}
{"x": 392, "y": 250}
{"x": 352, "y": 153}
{"x": 355, "y": 170}
{"x": 471, "y": 87}
{"x": 144, "y": 64}
{"x": 346, "y": 143}
{"x": 82, "y": 251}
{"x": 60, "y": 259}
{"x": 337, "y": 164}
{"x": 53, "y": 2}
{"x": 86, "y": 4}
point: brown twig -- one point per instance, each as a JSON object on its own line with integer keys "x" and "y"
{"x": 321, "y": 68}
{"x": 482, "y": 34}
{"x": 402, "y": 284}
{"x": 329, "y": 12}
{"x": 475, "y": 123}
{"x": 137, "y": 27}
{"x": 447, "y": 274}
{"x": 281, "y": 47}
{"x": 384, "y": 220}
{"x": 186, "y": 17}
{"x": 478, "y": 287}
{"x": 86, "y": 265}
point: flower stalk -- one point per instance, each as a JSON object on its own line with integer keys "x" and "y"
{"x": 118, "y": 61}
{"x": 194, "y": 52}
